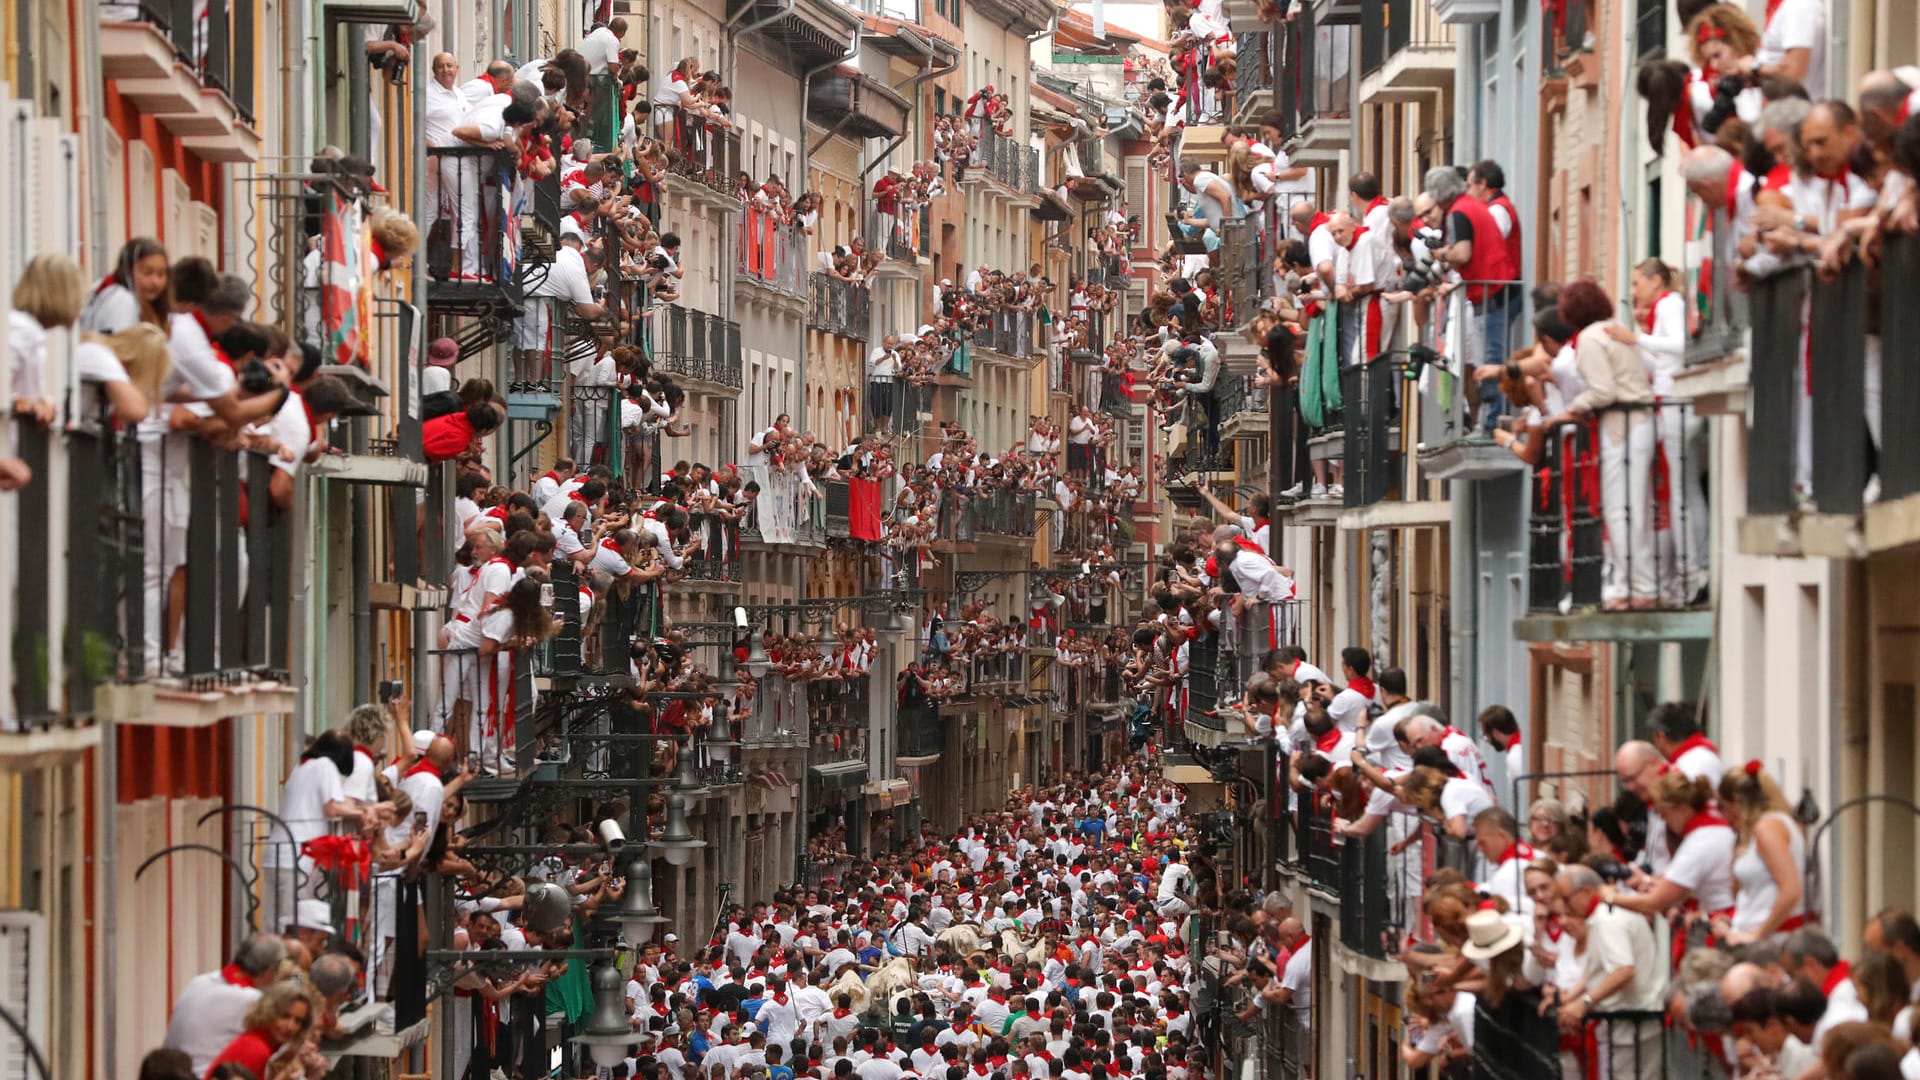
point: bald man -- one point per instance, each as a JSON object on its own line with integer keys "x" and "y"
{"x": 1637, "y": 764}
{"x": 1296, "y": 980}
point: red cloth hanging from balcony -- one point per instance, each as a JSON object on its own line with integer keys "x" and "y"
{"x": 863, "y": 509}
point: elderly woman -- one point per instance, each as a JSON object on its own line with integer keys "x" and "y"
{"x": 276, "y": 1030}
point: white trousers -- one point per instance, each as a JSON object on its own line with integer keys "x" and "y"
{"x": 1683, "y": 554}
{"x": 1626, "y": 481}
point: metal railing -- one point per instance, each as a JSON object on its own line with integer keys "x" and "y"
{"x": 1116, "y": 394}
{"x": 1007, "y": 332}
{"x": 1900, "y": 362}
{"x": 695, "y": 345}
{"x": 771, "y": 252}
{"x": 239, "y": 565}
{"x": 699, "y": 149}
{"x": 840, "y": 307}
{"x": 1620, "y": 514}
{"x": 1246, "y": 274}
{"x": 1371, "y": 392}
{"x": 1004, "y": 161}
{"x": 919, "y": 731}
{"x": 784, "y": 513}
{"x": 719, "y": 556}
{"x": 1808, "y": 423}
{"x": 1476, "y": 323}
{"x": 1719, "y": 309}
{"x": 107, "y": 604}
{"x": 474, "y": 236}
{"x": 996, "y": 669}
{"x": 839, "y": 505}
{"x": 901, "y": 235}
{"x": 1004, "y": 512}
{"x": 896, "y": 402}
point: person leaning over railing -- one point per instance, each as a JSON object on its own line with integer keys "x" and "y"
{"x": 1617, "y": 388}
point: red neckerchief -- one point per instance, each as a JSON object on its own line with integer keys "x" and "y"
{"x": 1772, "y": 6}
{"x": 550, "y": 475}
{"x": 1695, "y": 741}
{"x": 233, "y": 976}
{"x": 1553, "y": 928}
{"x": 1378, "y": 202}
{"x": 1835, "y": 976}
{"x": 779, "y": 999}
{"x": 1516, "y": 850}
{"x": 1593, "y": 905}
{"x": 1247, "y": 545}
{"x": 1702, "y": 820}
{"x": 611, "y": 545}
{"x": 1653, "y": 310}
{"x": 842, "y": 1014}
{"x": 1778, "y": 177}
{"x": 1319, "y": 219}
{"x": 1327, "y": 742}
{"x": 421, "y": 766}
{"x": 1361, "y": 685}
{"x": 371, "y": 756}
{"x": 212, "y": 344}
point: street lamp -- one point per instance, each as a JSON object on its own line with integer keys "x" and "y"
{"x": 608, "y": 1035}
{"x": 677, "y": 843}
{"x": 638, "y": 915}
{"x": 547, "y": 907}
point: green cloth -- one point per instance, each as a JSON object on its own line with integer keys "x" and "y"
{"x": 1320, "y": 372}
{"x": 572, "y": 992}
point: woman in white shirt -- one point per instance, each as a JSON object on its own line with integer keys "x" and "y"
{"x": 1770, "y": 849}
{"x": 1454, "y": 799}
{"x": 136, "y": 291}
{"x": 48, "y": 296}
{"x": 1660, "y": 333}
{"x": 1700, "y": 874}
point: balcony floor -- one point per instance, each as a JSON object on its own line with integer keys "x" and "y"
{"x": 1622, "y": 626}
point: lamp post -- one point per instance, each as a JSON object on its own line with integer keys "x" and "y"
{"x": 677, "y": 844}
{"x": 608, "y": 1035}
{"x": 638, "y": 914}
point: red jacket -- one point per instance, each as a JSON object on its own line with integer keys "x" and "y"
{"x": 446, "y": 437}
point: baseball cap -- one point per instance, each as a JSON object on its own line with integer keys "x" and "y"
{"x": 311, "y": 915}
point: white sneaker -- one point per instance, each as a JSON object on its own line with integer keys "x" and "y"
{"x": 1319, "y": 491}
{"x": 1292, "y": 492}
{"x": 1872, "y": 493}
{"x": 1334, "y": 491}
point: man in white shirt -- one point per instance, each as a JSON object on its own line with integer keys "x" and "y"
{"x": 1675, "y": 731}
{"x": 1501, "y": 729}
{"x": 602, "y": 47}
{"x": 1793, "y": 44}
{"x": 1296, "y": 980}
{"x": 1810, "y": 954}
{"x": 1624, "y": 973}
{"x": 567, "y": 281}
{"x": 1498, "y": 836}
{"x": 211, "y": 1010}
{"x": 1430, "y": 729}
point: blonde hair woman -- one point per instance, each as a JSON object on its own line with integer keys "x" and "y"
{"x": 277, "y": 1027}
{"x": 48, "y": 296}
{"x": 1769, "y": 853}
{"x": 127, "y": 368}
{"x": 1701, "y": 868}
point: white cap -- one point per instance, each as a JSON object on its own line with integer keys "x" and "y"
{"x": 672, "y": 938}
{"x": 422, "y": 740}
{"x": 311, "y": 915}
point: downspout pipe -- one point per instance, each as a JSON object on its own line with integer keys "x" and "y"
{"x": 906, "y": 89}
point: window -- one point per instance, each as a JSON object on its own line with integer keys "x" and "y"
{"x": 1653, "y": 215}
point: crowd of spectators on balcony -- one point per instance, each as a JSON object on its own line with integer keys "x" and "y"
{"x": 1203, "y": 56}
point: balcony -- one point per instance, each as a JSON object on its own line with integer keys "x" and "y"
{"x": 898, "y": 404}
{"x": 779, "y": 718}
{"x": 858, "y": 106}
{"x": 704, "y": 154}
{"x": 1116, "y": 394}
{"x": 190, "y": 66}
{"x": 1244, "y": 408}
{"x": 1408, "y": 59}
{"x": 1022, "y": 17}
{"x": 784, "y": 514}
{"x": 1006, "y": 513}
{"x": 902, "y": 236}
{"x": 1005, "y": 162}
{"x": 1477, "y": 324}
{"x": 473, "y": 248}
{"x": 920, "y": 735}
{"x": 1620, "y": 557}
{"x": 228, "y": 626}
{"x": 1253, "y": 77}
{"x": 1246, "y": 274}
{"x": 1370, "y": 401}
{"x": 771, "y": 255}
{"x": 718, "y": 560}
{"x": 1819, "y": 503}
{"x": 840, "y": 307}
{"x": 808, "y": 33}
{"x": 1008, "y": 334}
{"x": 697, "y": 347}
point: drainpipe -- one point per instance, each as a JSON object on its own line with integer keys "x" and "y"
{"x": 806, "y": 152}
{"x": 907, "y": 89}
{"x": 91, "y": 118}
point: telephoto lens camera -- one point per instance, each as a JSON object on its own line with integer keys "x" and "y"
{"x": 254, "y": 378}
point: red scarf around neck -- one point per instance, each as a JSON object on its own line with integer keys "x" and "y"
{"x": 1695, "y": 741}
{"x": 1516, "y": 850}
{"x": 1362, "y": 685}
{"x": 1703, "y": 819}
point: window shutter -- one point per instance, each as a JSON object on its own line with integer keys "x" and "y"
{"x": 23, "y": 989}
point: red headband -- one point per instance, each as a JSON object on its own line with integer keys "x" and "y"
{"x": 1752, "y": 767}
{"x": 1709, "y": 32}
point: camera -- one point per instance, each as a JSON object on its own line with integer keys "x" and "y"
{"x": 1425, "y": 273}
{"x": 254, "y": 378}
{"x": 389, "y": 690}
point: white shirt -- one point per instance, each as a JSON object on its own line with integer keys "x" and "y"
{"x": 303, "y": 801}
{"x": 1703, "y": 865}
{"x": 197, "y": 371}
{"x": 445, "y": 107}
{"x": 602, "y": 50}
{"x": 1617, "y": 938}
{"x": 1459, "y": 1023}
{"x": 1348, "y": 708}
{"x": 489, "y": 115}
{"x": 1260, "y": 579}
{"x": 1508, "y": 880}
{"x": 1298, "y": 978}
{"x": 209, "y": 1013}
{"x": 290, "y": 428}
{"x": 1701, "y": 762}
{"x": 96, "y": 363}
{"x": 1798, "y": 24}
{"x": 1465, "y": 755}
{"x": 1463, "y": 798}
{"x": 567, "y": 277}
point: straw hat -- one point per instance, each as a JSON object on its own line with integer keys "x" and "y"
{"x": 1489, "y": 935}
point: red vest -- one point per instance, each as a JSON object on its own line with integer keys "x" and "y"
{"x": 1514, "y": 259}
{"x": 1489, "y": 261}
